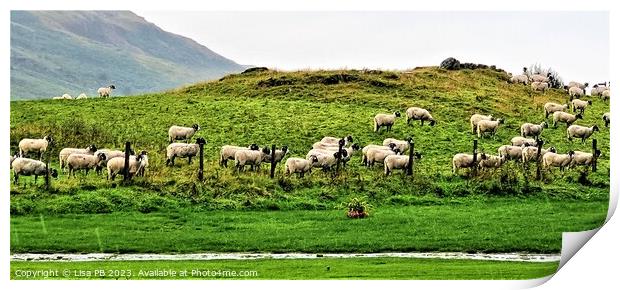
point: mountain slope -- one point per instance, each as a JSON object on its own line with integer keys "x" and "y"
{"x": 57, "y": 52}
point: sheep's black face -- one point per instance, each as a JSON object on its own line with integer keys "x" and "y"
{"x": 597, "y": 153}
{"x": 54, "y": 173}
{"x": 254, "y": 146}
{"x": 144, "y": 152}
{"x": 92, "y": 148}
{"x": 579, "y": 116}
{"x": 341, "y": 142}
{"x": 284, "y": 148}
{"x": 266, "y": 150}
{"x": 397, "y": 151}
{"x": 590, "y": 102}
{"x": 552, "y": 149}
{"x": 501, "y": 121}
{"x": 101, "y": 156}
{"x": 595, "y": 128}
{"x": 392, "y": 146}
{"x": 417, "y": 155}
{"x": 344, "y": 153}
{"x": 586, "y": 84}
{"x": 397, "y": 114}
{"x": 483, "y": 156}
{"x": 314, "y": 159}
{"x": 355, "y": 147}
{"x": 196, "y": 127}
{"x": 337, "y": 154}
{"x": 350, "y": 138}
{"x": 433, "y": 122}
{"x": 571, "y": 153}
{"x": 112, "y": 87}
{"x": 545, "y": 125}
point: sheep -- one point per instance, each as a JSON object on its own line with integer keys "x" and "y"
{"x": 228, "y": 152}
{"x": 598, "y": 90}
{"x": 510, "y": 152}
{"x": 182, "y": 133}
{"x": 116, "y": 165}
{"x": 181, "y": 150}
{"x": 144, "y": 164}
{"x": 564, "y": 117}
{"x": 415, "y": 113}
{"x": 580, "y": 105}
{"x": 393, "y": 162}
{"x": 109, "y": 154}
{"x": 401, "y": 145}
{"x": 28, "y": 167}
{"x": 347, "y": 151}
{"x": 253, "y": 158}
{"x": 576, "y": 131}
{"x": 390, "y": 146}
{"x": 327, "y": 160}
{"x": 578, "y": 85}
{"x": 67, "y": 97}
{"x": 374, "y": 155}
{"x": 606, "y": 119}
{"x": 38, "y": 146}
{"x": 485, "y": 126}
{"x": 533, "y": 130}
{"x": 77, "y": 161}
{"x": 81, "y": 96}
{"x": 540, "y": 86}
{"x": 334, "y": 140}
{"x": 475, "y": 118}
{"x": 520, "y": 141}
{"x": 279, "y": 154}
{"x": 605, "y": 95}
{"x": 105, "y": 92}
{"x": 551, "y": 159}
{"x": 551, "y": 108}
{"x": 529, "y": 153}
{"x": 540, "y": 78}
{"x": 584, "y": 158}
{"x": 492, "y": 162}
{"x": 385, "y": 120}
{"x": 520, "y": 79}
{"x": 58, "y": 98}
{"x": 299, "y": 165}
{"x": 464, "y": 160}
{"x": 575, "y": 92}
{"x": 12, "y": 158}
{"x": 65, "y": 152}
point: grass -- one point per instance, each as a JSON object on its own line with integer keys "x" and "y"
{"x": 297, "y": 109}
{"x": 323, "y": 268}
{"x": 498, "y": 225}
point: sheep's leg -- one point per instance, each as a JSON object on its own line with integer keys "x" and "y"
{"x": 408, "y": 120}
{"x": 15, "y": 177}
{"x": 421, "y": 122}
{"x": 189, "y": 160}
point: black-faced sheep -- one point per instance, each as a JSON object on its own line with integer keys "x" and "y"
{"x": 38, "y": 146}
{"x": 510, "y": 152}
{"x": 390, "y": 146}
{"x": 253, "y": 158}
{"x": 374, "y": 155}
{"x": 116, "y": 165}
{"x": 86, "y": 162}
{"x": 181, "y": 150}
{"x": 520, "y": 79}
{"x": 393, "y": 162}
{"x": 580, "y": 105}
{"x": 228, "y": 152}
{"x": 415, "y": 113}
{"x": 575, "y": 92}
{"x": 584, "y": 158}
{"x": 475, "y": 118}
{"x": 520, "y": 141}
{"x": 533, "y": 130}
{"x": 65, "y": 152}
{"x": 182, "y": 133}
{"x": 606, "y": 119}
{"x": 551, "y": 108}
{"x": 529, "y": 153}
{"x": 563, "y": 117}
{"x": 82, "y": 96}
{"x": 105, "y": 92}
{"x": 540, "y": 86}
{"x": 385, "y": 120}
{"x": 28, "y": 167}
{"x": 492, "y": 162}
{"x": 401, "y": 145}
{"x": 464, "y": 160}
{"x": 299, "y": 165}
{"x": 578, "y": 85}
{"x": 488, "y": 126}
{"x": 335, "y": 140}
{"x": 551, "y": 159}
{"x": 580, "y": 132}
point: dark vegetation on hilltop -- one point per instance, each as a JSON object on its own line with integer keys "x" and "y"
{"x": 297, "y": 109}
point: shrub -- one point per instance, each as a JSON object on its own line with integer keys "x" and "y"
{"x": 357, "y": 208}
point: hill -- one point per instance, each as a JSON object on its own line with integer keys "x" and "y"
{"x": 57, "y": 52}
{"x": 297, "y": 109}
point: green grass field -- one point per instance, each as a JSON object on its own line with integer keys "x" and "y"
{"x": 352, "y": 268}
{"x": 169, "y": 210}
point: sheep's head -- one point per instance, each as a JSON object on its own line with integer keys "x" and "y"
{"x": 544, "y": 124}
{"x": 552, "y": 149}
{"x": 196, "y": 127}
{"x": 392, "y": 146}
{"x": 586, "y": 85}
{"x": 266, "y": 150}
{"x": 314, "y": 159}
{"x": 397, "y": 114}
{"x": 579, "y": 116}
{"x": 101, "y": 156}
{"x": 589, "y": 102}
{"x": 571, "y": 153}
{"x": 483, "y": 156}
{"x": 344, "y": 153}
{"x": 201, "y": 140}
{"x": 597, "y": 153}
{"x": 254, "y": 146}
{"x": 500, "y": 120}
{"x": 433, "y": 122}
{"x": 350, "y": 138}
{"x": 417, "y": 155}
{"x": 92, "y": 148}
{"x": 284, "y": 149}
{"x": 54, "y": 173}
{"x": 144, "y": 153}
{"x": 341, "y": 142}
{"x": 337, "y": 154}
{"x": 112, "y": 87}
{"x": 355, "y": 146}
{"x": 396, "y": 150}
{"x": 48, "y": 138}
{"x": 595, "y": 128}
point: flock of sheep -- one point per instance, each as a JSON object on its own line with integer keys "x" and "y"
{"x": 103, "y": 92}
{"x": 329, "y": 152}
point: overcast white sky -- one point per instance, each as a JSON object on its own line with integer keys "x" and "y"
{"x": 576, "y": 44}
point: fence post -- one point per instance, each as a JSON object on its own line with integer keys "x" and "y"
{"x": 201, "y": 144}
{"x": 410, "y": 164}
{"x": 594, "y": 157}
{"x": 273, "y": 160}
{"x": 126, "y": 168}
{"x": 47, "y": 166}
{"x": 475, "y": 169}
{"x": 339, "y": 158}
{"x": 539, "y": 144}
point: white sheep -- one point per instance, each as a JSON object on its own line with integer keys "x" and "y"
{"x": 533, "y": 130}
{"x": 144, "y": 164}
{"x": 38, "y": 146}
{"x": 116, "y": 165}
{"x": 86, "y": 162}
{"x": 109, "y": 154}
{"x": 181, "y": 150}
{"x": 385, "y": 120}
{"x": 551, "y": 159}
{"x": 105, "y": 92}
{"x": 580, "y": 105}
{"x": 335, "y": 140}
{"x": 606, "y": 119}
{"x": 578, "y": 85}
{"x": 58, "y": 98}
{"x": 492, "y": 162}
{"x": 299, "y": 165}
{"x": 598, "y": 90}
{"x": 347, "y": 152}
{"x": 415, "y": 113}
{"x": 67, "y": 97}
{"x": 581, "y": 132}
{"x": 279, "y": 154}
{"x": 540, "y": 86}
{"x": 520, "y": 79}
{"x": 584, "y": 158}
{"x": 520, "y": 141}
{"x": 326, "y": 159}
{"x": 575, "y": 92}
{"x": 401, "y": 145}
{"x": 510, "y": 152}
{"x": 65, "y": 152}
{"x": 475, "y": 118}
{"x": 551, "y": 108}
{"x": 375, "y": 155}
{"x": 488, "y": 126}
{"x": 253, "y": 158}
{"x": 393, "y": 162}
{"x": 81, "y": 96}
{"x": 28, "y": 167}
{"x": 182, "y": 133}
{"x": 228, "y": 152}
{"x": 540, "y": 78}
{"x": 464, "y": 160}
{"x": 564, "y": 117}
{"x": 605, "y": 95}
{"x": 390, "y": 146}
{"x": 13, "y": 157}
{"x": 529, "y": 153}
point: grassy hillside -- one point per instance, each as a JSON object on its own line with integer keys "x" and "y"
{"x": 297, "y": 109}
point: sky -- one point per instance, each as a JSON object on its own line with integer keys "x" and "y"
{"x": 576, "y": 44}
